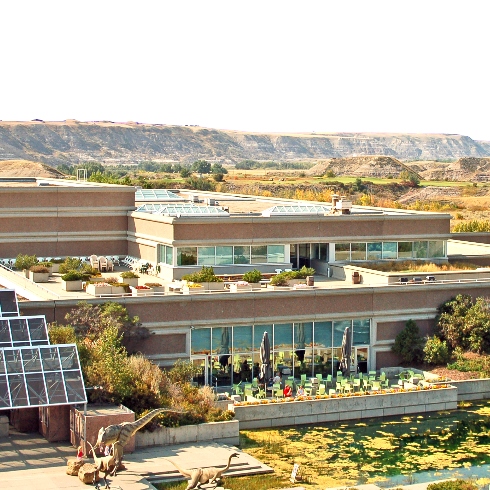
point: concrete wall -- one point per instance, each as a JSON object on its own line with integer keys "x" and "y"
{"x": 473, "y": 389}
{"x": 4, "y": 426}
{"x": 222, "y": 432}
{"x": 348, "y": 408}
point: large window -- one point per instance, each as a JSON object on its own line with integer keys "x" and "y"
{"x": 259, "y": 254}
{"x": 275, "y": 253}
{"x": 389, "y": 250}
{"x": 224, "y": 255}
{"x": 404, "y": 250}
{"x": 165, "y": 254}
{"x": 358, "y": 251}
{"x": 205, "y": 255}
{"x": 187, "y": 256}
{"x": 241, "y": 255}
{"x": 342, "y": 251}
{"x": 437, "y": 249}
{"x": 374, "y": 251}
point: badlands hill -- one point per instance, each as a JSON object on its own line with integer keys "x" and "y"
{"x": 26, "y": 168}
{"x": 107, "y": 142}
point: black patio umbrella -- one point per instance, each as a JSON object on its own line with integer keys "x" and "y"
{"x": 300, "y": 343}
{"x": 224, "y": 347}
{"x": 346, "y": 352}
{"x": 265, "y": 359}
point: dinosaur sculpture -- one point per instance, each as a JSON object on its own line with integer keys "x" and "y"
{"x": 121, "y": 433}
{"x": 198, "y": 476}
{"x": 106, "y": 464}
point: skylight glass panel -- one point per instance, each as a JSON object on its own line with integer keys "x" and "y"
{"x": 297, "y": 209}
{"x": 179, "y": 210}
{"x": 156, "y": 195}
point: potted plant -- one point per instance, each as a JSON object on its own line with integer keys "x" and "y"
{"x": 280, "y": 281}
{"x": 240, "y": 286}
{"x": 72, "y": 281}
{"x": 25, "y": 262}
{"x": 207, "y": 278}
{"x": 156, "y": 286}
{"x": 253, "y": 277}
{"x": 141, "y": 291}
{"x": 129, "y": 277}
{"x": 69, "y": 264}
{"x": 39, "y": 273}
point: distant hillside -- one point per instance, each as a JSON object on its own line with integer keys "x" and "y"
{"x": 25, "y": 168}
{"x": 107, "y": 142}
{"x": 372, "y": 166}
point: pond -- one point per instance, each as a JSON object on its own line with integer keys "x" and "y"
{"x": 387, "y": 452}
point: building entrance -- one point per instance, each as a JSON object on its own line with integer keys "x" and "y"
{"x": 299, "y": 255}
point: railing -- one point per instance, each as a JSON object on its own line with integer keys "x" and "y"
{"x": 28, "y": 284}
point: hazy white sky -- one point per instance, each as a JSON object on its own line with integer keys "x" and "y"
{"x": 277, "y": 66}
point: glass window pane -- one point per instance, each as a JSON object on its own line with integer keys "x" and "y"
{"x": 303, "y": 340}
{"x": 361, "y": 330}
{"x": 4, "y": 392}
{"x": 18, "y": 328}
{"x": 283, "y": 336}
{"x": 241, "y": 255}
{"x": 74, "y": 386}
{"x": 258, "y": 334}
{"x": 224, "y": 255}
{"x": 37, "y": 330}
{"x": 31, "y": 359}
{"x": 338, "y": 331}
{"x": 420, "y": 250}
{"x": 187, "y": 256}
{"x": 18, "y": 391}
{"x": 374, "y": 251}
{"x": 275, "y": 253}
{"x": 205, "y": 255}
{"x": 35, "y": 389}
{"x": 5, "y": 339}
{"x": 51, "y": 361}
{"x": 342, "y": 251}
{"x": 323, "y": 252}
{"x": 68, "y": 357}
{"x": 358, "y": 251}
{"x": 13, "y": 361}
{"x": 201, "y": 341}
{"x": 404, "y": 250}
{"x": 54, "y": 385}
{"x": 259, "y": 254}
{"x": 169, "y": 257}
{"x": 389, "y": 250}
{"x": 436, "y": 248}
{"x": 161, "y": 253}
{"x": 243, "y": 338}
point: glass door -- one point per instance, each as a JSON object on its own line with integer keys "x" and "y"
{"x": 361, "y": 359}
{"x": 202, "y": 377}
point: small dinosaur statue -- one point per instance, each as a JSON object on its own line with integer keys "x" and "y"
{"x": 106, "y": 464}
{"x": 198, "y": 476}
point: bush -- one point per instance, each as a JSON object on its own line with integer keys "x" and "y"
{"x": 40, "y": 269}
{"x": 70, "y": 264}
{"x": 280, "y": 279}
{"x": 453, "y": 485}
{"x": 25, "y": 261}
{"x": 303, "y": 273}
{"x": 436, "y": 351}
{"x": 408, "y": 343}
{"x": 129, "y": 275}
{"x": 72, "y": 275}
{"x": 206, "y": 274}
{"x": 252, "y": 276}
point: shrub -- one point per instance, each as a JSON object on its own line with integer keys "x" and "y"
{"x": 280, "y": 279}
{"x": 206, "y": 274}
{"x": 436, "y": 351}
{"x": 72, "y": 275}
{"x": 46, "y": 263}
{"x": 40, "y": 269}
{"x": 408, "y": 343}
{"x": 303, "y": 273}
{"x": 252, "y": 276}
{"x": 25, "y": 261}
{"x": 129, "y": 275}
{"x": 70, "y": 264}
{"x": 453, "y": 485}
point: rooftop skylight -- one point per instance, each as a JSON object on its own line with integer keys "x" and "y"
{"x": 297, "y": 209}
{"x": 179, "y": 210}
{"x": 156, "y": 195}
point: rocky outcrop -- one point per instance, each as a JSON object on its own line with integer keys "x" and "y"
{"x": 73, "y": 466}
{"x": 107, "y": 142}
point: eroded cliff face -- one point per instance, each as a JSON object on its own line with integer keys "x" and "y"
{"x": 107, "y": 142}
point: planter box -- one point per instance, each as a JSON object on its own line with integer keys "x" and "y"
{"x": 278, "y": 288}
{"x": 95, "y": 290}
{"x": 345, "y": 408}
{"x": 118, "y": 290}
{"x": 187, "y": 290}
{"x": 235, "y": 288}
{"x": 71, "y": 285}
{"x": 55, "y": 268}
{"x": 132, "y": 281}
{"x": 39, "y": 276}
{"x": 141, "y": 292}
{"x": 292, "y": 282}
{"x": 213, "y": 286}
{"x": 158, "y": 289}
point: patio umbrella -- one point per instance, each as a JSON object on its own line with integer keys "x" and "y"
{"x": 300, "y": 343}
{"x": 346, "y": 352}
{"x": 265, "y": 359}
{"x": 224, "y": 347}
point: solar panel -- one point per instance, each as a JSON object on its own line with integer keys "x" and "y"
{"x": 34, "y": 373}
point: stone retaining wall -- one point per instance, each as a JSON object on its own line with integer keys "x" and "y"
{"x": 473, "y": 389}
{"x": 222, "y": 432}
{"x": 346, "y": 408}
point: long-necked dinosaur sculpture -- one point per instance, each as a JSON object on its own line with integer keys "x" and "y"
{"x": 121, "y": 433}
{"x": 198, "y": 476}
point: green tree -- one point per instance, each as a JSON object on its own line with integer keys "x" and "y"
{"x": 217, "y": 168}
{"x": 409, "y": 344}
{"x": 201, "y": 167}
{"x": 185, "y": 172}
{"x": 436, "y": 351}
{"x": 411, "y": 177}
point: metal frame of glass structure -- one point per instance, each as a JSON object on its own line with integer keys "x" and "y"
{"x": 182, "y": 210}
{"x": 156, "y": 195}
{"x": 34, "y": 373}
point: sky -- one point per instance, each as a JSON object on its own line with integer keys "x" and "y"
{"x": 263, "y": 66}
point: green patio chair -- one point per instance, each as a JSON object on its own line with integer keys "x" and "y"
{"x": 321, "y": 389}
{"x": 303, "y": 379}
{"x": 320, "y": 378}
{"x": 328, "y": 380}
{"x": 277, "y": 390}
